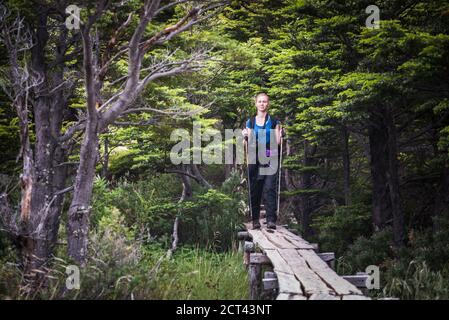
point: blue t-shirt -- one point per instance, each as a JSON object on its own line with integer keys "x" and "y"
{"x": 258, "y": 128}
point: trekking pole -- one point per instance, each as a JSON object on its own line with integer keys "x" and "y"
{"x": 279, "y": 174}
{"x": 248, "y": 179}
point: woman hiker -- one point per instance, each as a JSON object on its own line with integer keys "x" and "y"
{"x": 263, "y": 182}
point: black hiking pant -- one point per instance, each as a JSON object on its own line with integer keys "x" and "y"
{"x": 265, "y": 185}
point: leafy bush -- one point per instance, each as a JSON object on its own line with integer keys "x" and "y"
{"x": 375, "y": 250}
{"x": 432, "y": 245}
{"x": 148, "y": 206}
{"x": 212, "y": 219}
{"x": 337, "y": 231}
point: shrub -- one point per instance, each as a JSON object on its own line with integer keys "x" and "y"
{"x": 375, "y": 250}
{"x": 337, "y": 231}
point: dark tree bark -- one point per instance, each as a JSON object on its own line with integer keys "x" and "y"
{"x": 378, "y": 142}
{"x": 104, "y": 172}
{"x": 441, "y": 201}
{"x": 393, "y": 181}
{"x": 384, "y": 173}
{"x": 346, "y": 166}
{"x": 305, "y": 184}
{"x": 35, "y": 89}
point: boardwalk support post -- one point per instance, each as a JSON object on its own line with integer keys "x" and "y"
{"x": 256, "y": 260}
{"x": 243, "y": 236}
{"x": 329, "y": 258}
{"x": 270, "y": 281}
{"x": 248, "y": 247}
{"x": 358, "y": 280}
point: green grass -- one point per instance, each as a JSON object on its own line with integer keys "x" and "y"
{"x": 199, "y": 274}
{"x": 190, "y": 273}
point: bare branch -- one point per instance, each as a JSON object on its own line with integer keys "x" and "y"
{"x": 184, "y": 173}
{"x": 191, "y": 64}
{"x": 102, "y": 6}
{"x": 192, "y": 18}
{"x": 112, "y": 42}
{"x": 167, "y": 6}
{"x": 167, "y": 31}
{"x": 89, "y": 75}
{"x": 149, "y": 122}
{"x": 164, "y": 112}
{"x": 71, "y": 131}
{"x": 149, "y": 9}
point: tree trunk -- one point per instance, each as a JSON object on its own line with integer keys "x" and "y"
{"x": 196, "y": 172}
{"x": 40, "y": 206}
{"x": 441, "y": 207}
{"x": 378, "y": 142}
{"x": 305, "y": 205}
{"x": 104, "y": 171}
{"x": 79, "y": 211}
{"x": 399, "y": 236}
{"x": 346, "y": 166}
{"x": 290, "y": 183}
{"x": 228, "y": 170}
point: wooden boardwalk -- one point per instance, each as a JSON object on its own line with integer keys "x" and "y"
{"x": 298, "y": 271}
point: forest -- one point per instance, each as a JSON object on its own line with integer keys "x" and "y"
{"x": 91, "y": 92}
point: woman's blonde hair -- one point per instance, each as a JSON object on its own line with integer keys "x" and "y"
{"x": 261, "y": 94}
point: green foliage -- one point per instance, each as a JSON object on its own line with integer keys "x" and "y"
{"x": 121, "y": 268}
{"x": 374, "y": 250}
{"x": 340, "y": 229}
{"x": 418, "y": 282}
{"x": 147, "y": 206}
{"x": 208, "y": 219}
{"x": 211, "y": 219}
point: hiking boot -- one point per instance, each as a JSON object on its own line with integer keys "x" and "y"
{"x": 271, "y": 225}
{"x": 256, "y": 224}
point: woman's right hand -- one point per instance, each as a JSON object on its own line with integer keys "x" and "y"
{"x": 245, "y": 133}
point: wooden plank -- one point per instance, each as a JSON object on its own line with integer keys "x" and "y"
{"x": 341, "y": 286}
{"x": 286, "y": 278}
{"x": 355, "y": 297}
{"x": 288, "y": 283}
{"x": 310, "y": 281}
{"x": 278, "y": 240}
{"x": 270, "y": 283}
{"x": 243, "y": 235}
{"x": 269, "y": 275}
{"x": 329, "y": 258}
{"x": 326, "y": 256}
{"x": 297, "y": 241}
{"x": 323, "y": 296}
{"x": 290, "y": 296}
{"x": 359, "y": 280}
{"x": 290, "y": 234}
{"x": 259, "y": 258}
{"x": 279, "y": 264}
{"x": 262, "y": 241}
